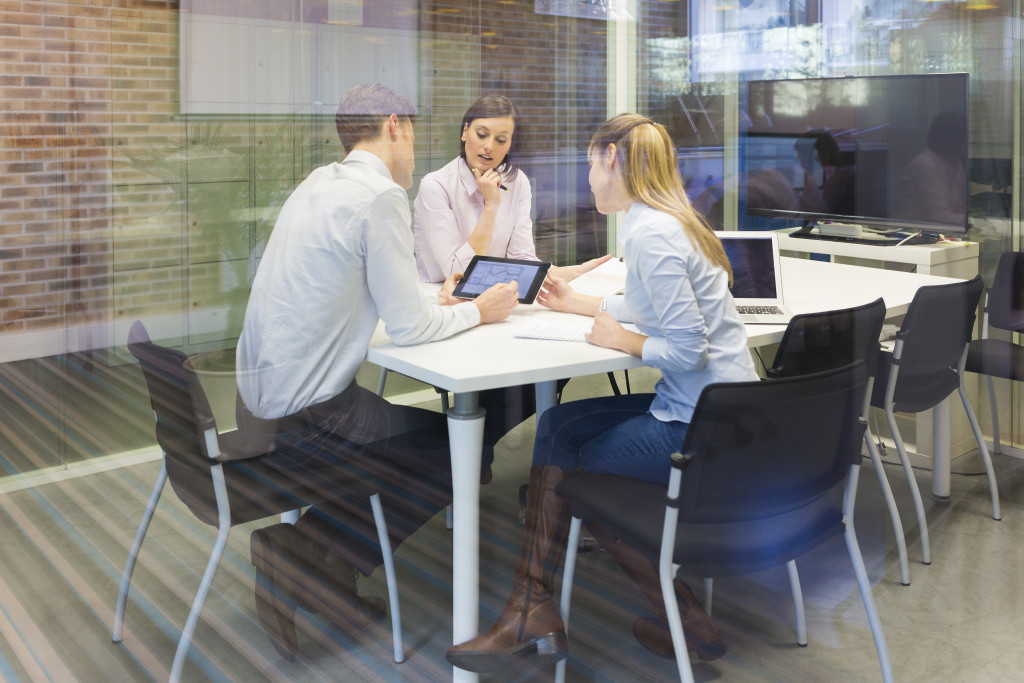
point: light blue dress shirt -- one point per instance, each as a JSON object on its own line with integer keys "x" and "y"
{"x": 682, "y": 302}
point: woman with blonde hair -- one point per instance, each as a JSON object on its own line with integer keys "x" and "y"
{"x": 677, "y": 295}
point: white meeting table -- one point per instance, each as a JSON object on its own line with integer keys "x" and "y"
{"x": 489, "y": 357}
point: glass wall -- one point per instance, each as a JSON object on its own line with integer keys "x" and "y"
{"x": 148, "y": 145}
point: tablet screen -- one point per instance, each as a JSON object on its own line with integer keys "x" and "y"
{"x": 485, "y": 271}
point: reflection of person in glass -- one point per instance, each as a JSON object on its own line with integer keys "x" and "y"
{"x": 931, "y": 186}
{"x": 760, "y": 188}
{"x": 835, "y": 196}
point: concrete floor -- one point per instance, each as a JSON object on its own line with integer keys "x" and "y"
{"x": 64, "y": 543}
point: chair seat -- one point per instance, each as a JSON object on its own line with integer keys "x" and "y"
{"x": 914, "y": 394}
{"x": 706, "y": 549}
{"x": 257, "y": 487}
{"x": 997, "y": 358}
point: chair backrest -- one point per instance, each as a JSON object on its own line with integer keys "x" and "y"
{"x": 183, "y": 418}
{"x": 937, "y": 328}
{"x": 830, "y": 339}
{"x": 1006, "y": 296}
{"x": 760, "y": 449}
{"x": 171, "y": 394}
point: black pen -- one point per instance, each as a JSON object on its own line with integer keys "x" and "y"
{"x": 502, "y": 187}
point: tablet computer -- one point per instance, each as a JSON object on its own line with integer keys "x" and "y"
{"x": 484, "y": 271}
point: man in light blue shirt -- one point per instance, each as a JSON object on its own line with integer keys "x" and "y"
{"x": 340, "y": 260}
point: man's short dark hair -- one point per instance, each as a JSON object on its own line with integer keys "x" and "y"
{"x": 364, "y": 109}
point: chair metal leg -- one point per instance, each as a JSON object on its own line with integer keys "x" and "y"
{"x": 223, "y": 528}
{"x": 133, "y": 553}
{"x": 667, "y": 573}
{"x": 675, "y": 622}
{"x": 798, "y": 603}
{"x": 869, "y": 602}
{"x": 992, "y": 486}
{"x": 382, "y": 381}
{"x": 567, "y": 575}
{"x": 890, "y": 503}
{"x": 861, "y": 573}
{"x": 915, "y": 492}
{"x": 709, "y": 585}
{"x": 994, "y": 407}
{"x": 389, "y": 575}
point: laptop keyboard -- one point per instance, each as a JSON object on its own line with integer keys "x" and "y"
{"x": 759, "y": 310}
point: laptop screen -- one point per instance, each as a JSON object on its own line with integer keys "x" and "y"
{"x": 753, "y": 265}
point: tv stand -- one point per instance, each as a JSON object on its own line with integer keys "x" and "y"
{"x": 859, "y": 234}
{"x": 952, "y": 259}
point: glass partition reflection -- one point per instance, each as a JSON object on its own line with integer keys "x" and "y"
{"x": 146, "y": 163}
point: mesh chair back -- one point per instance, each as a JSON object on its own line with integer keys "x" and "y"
{"x": 761, "y": 449}
{"x": 938, "y": 326}
{"x": 831, "y": 339}
{"x": 1006, "y": 297}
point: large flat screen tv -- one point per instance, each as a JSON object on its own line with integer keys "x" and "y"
{"x": 885, "y": 151}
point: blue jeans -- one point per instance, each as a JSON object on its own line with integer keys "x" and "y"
{"x": 611, "y": 435}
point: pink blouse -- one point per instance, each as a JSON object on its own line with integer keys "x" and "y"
{"x": 448, "y": 206}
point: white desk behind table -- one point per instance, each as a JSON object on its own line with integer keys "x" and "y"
{"x": 958, "y": 259}
{"x": 490, "y": 356}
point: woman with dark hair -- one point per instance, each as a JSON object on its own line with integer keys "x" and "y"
{"x": 677, "y": 294}
{"x": 479, "y": 203}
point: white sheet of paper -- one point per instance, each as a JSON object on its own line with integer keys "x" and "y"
{"x": 607, "y": 279}
{"x": 539, "y": 328}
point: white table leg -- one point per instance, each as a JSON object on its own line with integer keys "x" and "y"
{"x": 545, "y": 393}
{"x": 940, "y": 450}
{"x": 465, "y": 438}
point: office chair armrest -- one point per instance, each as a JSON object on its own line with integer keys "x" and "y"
{"x": 681, "y": 461}
{"x": 232, "y": 447}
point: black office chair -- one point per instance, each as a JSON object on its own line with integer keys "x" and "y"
{"x": 925, "y": 366}
{"x": 822, "y": 341}
{"x": 1004, "y": 310}
{"x": 219, "y": 478}
{"x": 751, "y": 490}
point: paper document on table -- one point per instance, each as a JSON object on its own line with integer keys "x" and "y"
{"x": 607, "y": 279}
{"x": 560, "y": 331}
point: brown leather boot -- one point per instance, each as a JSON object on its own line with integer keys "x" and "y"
{"x": 702, "y": 635}
{"x": 530, "y": 625}
{"x": 293, "y": 569}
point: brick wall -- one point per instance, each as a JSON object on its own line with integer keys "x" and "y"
{"x": 87, "y": 237}
{"x": 70, "y": 71}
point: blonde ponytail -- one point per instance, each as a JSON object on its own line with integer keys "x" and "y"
{"x": 651, "y": 176}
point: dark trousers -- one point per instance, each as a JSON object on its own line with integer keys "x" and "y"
{"x": 344, "y": 449}
{"x": 508, "y": 407}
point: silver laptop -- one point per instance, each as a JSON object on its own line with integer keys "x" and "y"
{"x": 757, "y": 276}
